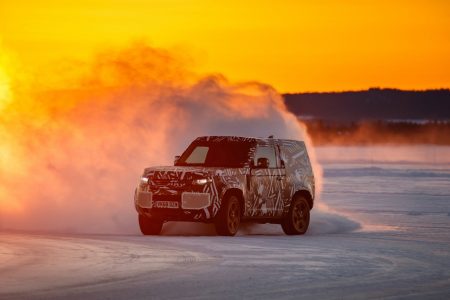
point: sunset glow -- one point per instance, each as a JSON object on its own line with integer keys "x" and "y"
{"x": 5, "y": 86}
{"x": 235, "y": 149}
{"x": 293, "y": 45}
{"x": 91, "y": 91}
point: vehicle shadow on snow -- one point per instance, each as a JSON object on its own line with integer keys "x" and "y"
{"x": 321, "y": 223}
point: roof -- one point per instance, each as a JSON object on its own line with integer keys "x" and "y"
{"x": 231, "y": 138}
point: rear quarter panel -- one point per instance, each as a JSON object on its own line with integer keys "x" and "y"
{"x": 299, "y": 173}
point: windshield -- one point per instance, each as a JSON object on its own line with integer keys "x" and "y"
{"x": 232, "y": 154}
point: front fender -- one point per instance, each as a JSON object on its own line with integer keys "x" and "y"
{"x": 226, "y": 181}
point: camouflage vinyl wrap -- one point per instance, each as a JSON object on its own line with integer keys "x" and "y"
{"x": 266, "y": 193}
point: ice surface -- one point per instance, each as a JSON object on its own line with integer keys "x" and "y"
{"x": 386, "y": 235}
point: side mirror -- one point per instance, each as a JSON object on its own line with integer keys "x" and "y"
{"x": 283, "y": 165}
{"x": 176, "y": 159}
{"x": 263, "y": 163}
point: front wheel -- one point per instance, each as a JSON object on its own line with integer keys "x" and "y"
{"x": 297, "y": 220}
{"x": 150, "y": 226}
{"x": 229, "y": 217}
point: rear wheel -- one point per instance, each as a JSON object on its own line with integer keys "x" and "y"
{"x": 297, "y": 220}
{"x": 229, "y": 217}
{"x": 150, "y": 226}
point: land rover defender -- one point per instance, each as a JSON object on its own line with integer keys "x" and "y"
{"x": 228, "y": 180}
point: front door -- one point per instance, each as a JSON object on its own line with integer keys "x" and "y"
{"x": 267, "y": 181}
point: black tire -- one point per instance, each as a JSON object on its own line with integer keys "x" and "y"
{"x": 229, "y": 217}
{"x": 150, "y": 226}
{"x": 297, "y": 220}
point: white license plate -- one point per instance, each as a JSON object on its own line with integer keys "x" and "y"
{"x": 165, "y": 204}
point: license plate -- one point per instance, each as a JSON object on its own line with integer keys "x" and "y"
{"x": 166, "y": 204}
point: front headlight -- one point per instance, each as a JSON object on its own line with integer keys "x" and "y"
{"x": 143, "y": 180}
{"x": 201, "y": 181}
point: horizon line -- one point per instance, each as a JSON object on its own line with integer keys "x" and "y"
{"x": 368, "y": 89}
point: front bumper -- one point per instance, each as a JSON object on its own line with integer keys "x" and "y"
{"x": 185, "y": 206}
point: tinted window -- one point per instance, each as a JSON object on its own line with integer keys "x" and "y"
{"x": 267, "y": 152}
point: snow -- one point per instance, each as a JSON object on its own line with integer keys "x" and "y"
{"x": 382, "y": 230}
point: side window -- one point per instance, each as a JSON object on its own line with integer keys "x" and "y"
{"x": 267, "y": 152}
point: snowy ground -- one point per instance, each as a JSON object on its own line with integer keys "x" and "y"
{"x": 394, "y": 243}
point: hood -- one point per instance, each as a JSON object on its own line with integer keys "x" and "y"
{"x": 177, "y": 176}
{"x": 167, "y": 172}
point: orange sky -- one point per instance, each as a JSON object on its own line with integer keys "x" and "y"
{"x": 294, "y": 45}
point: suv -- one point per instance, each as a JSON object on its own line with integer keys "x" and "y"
{"x": 229, "y": 179}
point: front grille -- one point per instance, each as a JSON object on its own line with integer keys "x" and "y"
{"x": 167, "y": 183}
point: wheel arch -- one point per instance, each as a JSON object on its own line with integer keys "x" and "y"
{"x": 307, "y": 195}
{"x": 239, "y": 194}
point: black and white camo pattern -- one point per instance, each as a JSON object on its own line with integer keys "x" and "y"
{"x": 267, "y": 193}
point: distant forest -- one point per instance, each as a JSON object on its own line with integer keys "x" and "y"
{"x": 374, "y": 116}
